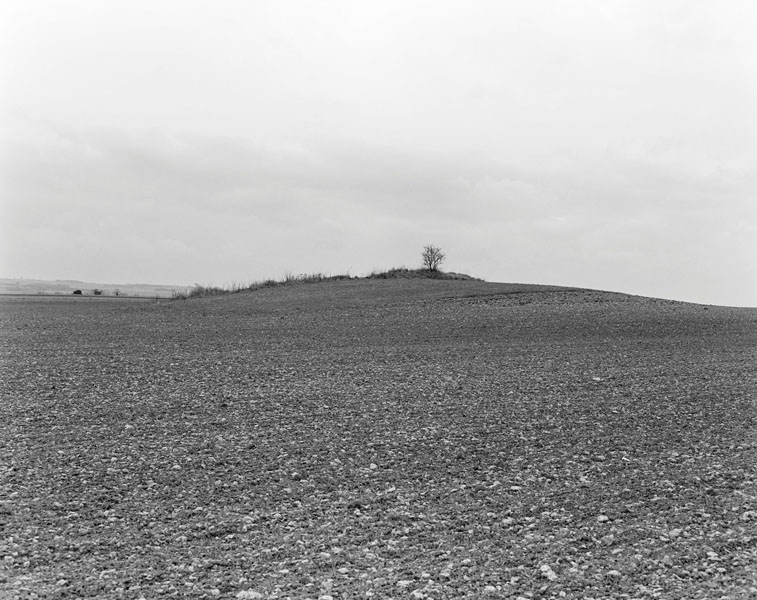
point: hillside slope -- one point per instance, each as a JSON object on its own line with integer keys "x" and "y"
{"x": 379, "y": 438}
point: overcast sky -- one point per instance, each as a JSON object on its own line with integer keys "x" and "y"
{"x": 594, "y": 143}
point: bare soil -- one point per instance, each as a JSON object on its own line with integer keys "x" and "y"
{"x": 378, "y": 439}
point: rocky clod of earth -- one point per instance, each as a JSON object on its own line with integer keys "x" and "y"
{"x": 403, "y": 438}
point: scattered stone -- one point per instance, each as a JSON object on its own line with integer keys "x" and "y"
{"x": 547, "y": 572}
{"x": 603, "y": 518}
{"x": 249, "y": 595}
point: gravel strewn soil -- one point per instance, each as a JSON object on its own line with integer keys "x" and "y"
{"x": 378, "y": 439}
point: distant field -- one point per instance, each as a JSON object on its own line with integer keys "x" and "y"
{"x": 378, "y": 439}
{"x": 42, "y": 287}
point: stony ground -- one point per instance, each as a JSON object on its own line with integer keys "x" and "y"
{"x": 378, "y": 439}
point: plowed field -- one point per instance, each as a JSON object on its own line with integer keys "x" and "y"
{"x": 378, "y": 439}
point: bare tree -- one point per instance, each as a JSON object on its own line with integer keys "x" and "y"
{"x": 432, "y": 258}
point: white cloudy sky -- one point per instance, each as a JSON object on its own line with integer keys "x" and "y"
{"x": 598, "y": 143}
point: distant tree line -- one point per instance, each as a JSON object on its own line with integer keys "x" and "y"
{"x": 96, "y": 292}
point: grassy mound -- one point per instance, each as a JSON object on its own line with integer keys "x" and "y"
{"x": 404, "y": 273}
{"x": 203, "y": 291}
